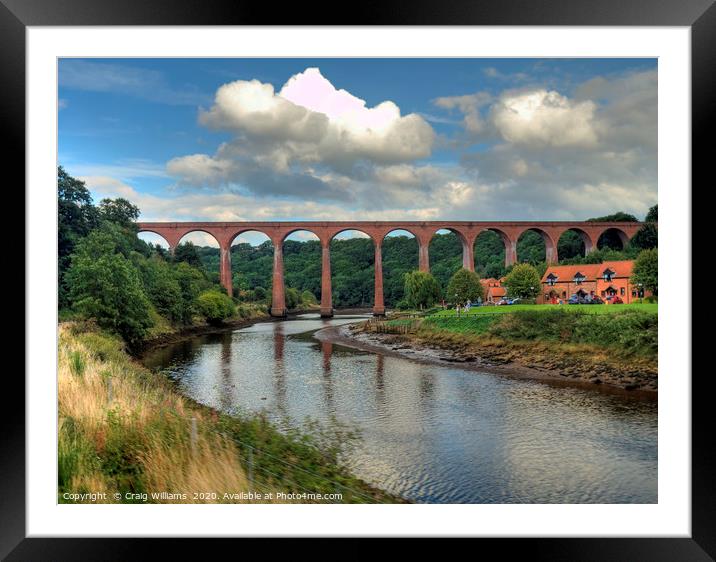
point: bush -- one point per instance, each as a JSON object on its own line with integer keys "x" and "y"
{"x": 402, "y": 304}
{"x": 308, "y": 298}
{"x": 293, "y": 298}
{"x": 215, "y": 306}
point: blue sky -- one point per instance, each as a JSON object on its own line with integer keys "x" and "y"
{"x": 468, "y": 139}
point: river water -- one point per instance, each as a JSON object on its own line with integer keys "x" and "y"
{"x": 430, "y": 433}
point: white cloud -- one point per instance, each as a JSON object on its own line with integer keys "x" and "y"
{"x": 313, "y": 152}
{"x": 308, "y": 123}
{"x": 542, "y": 117}
{"x": 469, "y": 105}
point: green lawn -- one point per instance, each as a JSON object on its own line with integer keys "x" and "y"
{"x": 589, "y": 308}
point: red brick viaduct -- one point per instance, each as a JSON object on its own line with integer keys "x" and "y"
{"x": 226, "y": 232}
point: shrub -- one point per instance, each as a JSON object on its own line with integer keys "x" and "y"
{"x": 293, "y": 298}
{"x": 215, "y": 306}
{"x": 308, "y": 298}
{"x": 260, "y": 293}
{"x": 402, "y": 304}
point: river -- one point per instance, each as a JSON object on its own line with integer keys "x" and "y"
{"x": 435, "y": 434}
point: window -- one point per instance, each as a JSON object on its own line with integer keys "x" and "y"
{"x": 551, "y": 279}
{"x": 608, "y": 274}
{"x": 623, "y": 292}
{"x": 579, "y": 278}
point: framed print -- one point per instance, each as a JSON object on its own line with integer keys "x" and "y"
{"x": 393, "y": 277}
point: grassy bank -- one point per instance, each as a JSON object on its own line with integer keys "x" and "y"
{"x": 125, "y": 430}
{"x": 578, "y": 308}
{"x": 626, "y": 332}
{"x": 611, "y": 344}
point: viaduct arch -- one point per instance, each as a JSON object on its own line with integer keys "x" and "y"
{"x": 467, "y": 232}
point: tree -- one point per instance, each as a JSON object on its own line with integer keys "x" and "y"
{"x": 187, "y": 253}
{"x": 215, "y": 306}
{"x": 191, "y": 283}
{"x": 421, "y": 289}
{"x": 646, "y": 270}
{"x": 619, "y": 216}
{"x": 163, "y": 288}
{"x": 119, "y": 211}
{"x": 570, "y": 245}
{"x": 646, "y": 237}
{"x": 465, "y": 285}
{"x": 105, "y": 285}
{"x": 523, "y": 281}
{"x": 76, "y": 217}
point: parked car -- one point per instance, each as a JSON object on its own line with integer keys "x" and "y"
{"x": 576, "y": 299}
{"x": 617, "y": 300}
{"x": 596, "y": 300}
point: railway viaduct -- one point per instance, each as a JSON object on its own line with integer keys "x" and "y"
{"x": 467, "y": 232}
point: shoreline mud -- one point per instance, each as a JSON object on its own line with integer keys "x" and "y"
{"x": 401, "y": 346}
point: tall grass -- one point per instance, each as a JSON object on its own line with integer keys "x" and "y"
{"x": 140, "y": 440}
{"x": 125, "y": 429}
{"x": 626, "y": 332}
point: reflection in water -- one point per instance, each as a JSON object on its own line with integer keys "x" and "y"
{"x": 431, "y": 433}
{"x": 226, "y": 384}
{"x": 279, "y": 371}
{"x": 327, "y": 349}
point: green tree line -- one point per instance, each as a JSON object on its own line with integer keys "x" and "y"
{"x": 106, "y": 272}
{"x": 352, "y": 261}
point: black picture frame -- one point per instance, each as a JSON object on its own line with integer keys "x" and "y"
{"x": 699, "y": 15}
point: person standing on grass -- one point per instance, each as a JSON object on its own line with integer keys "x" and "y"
{"x": 457, "y": 310}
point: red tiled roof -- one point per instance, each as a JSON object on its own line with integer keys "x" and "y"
{"x": 590, "y": 271}
{"x": 620, "y": 268}
{"x": 497, "y": 291}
